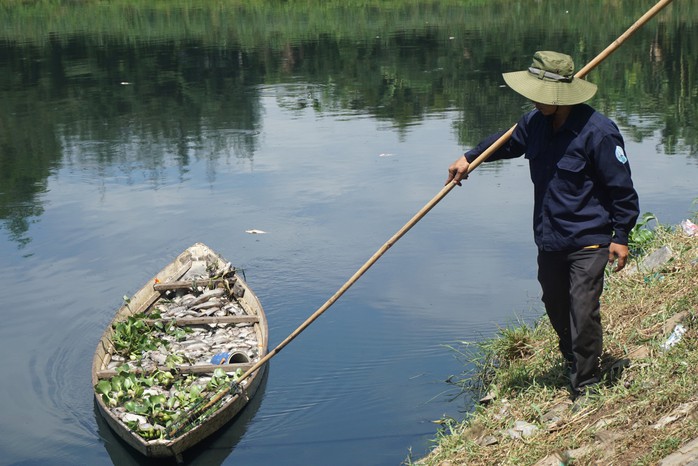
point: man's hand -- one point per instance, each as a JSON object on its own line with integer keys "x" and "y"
{"x": 620, "y": 253}
{"x": 458, "y": 171}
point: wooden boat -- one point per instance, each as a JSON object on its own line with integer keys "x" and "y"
{"x": 172, "y": 348}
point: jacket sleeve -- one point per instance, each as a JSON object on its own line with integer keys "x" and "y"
{"x": 515, "y": 146}
{"x": 613, "y": 170}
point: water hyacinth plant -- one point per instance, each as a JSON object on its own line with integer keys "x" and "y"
{"x": 135, "y": 335}
{"x": 155, "y": 401}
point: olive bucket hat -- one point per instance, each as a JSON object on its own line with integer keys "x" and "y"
{"x": 550, "y": 80}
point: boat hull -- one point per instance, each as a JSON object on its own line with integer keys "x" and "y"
{"x": 142, "y": 302}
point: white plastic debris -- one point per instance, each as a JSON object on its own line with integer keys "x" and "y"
{"x": 675, "y": 337}
{"x": 255, "y": 232}
{"x": 522, "y": 429}
{"x": 690, "y": 228}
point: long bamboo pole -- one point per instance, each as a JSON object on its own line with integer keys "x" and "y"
{"x": 423, "y": 211}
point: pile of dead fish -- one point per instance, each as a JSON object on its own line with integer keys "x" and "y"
{"x": 204, "y": 341}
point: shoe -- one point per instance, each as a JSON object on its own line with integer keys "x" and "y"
{"x": 584, "y": 397}
{"x": 612, "y": 373}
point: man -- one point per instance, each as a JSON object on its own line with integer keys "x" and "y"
{"x": 584, "y": 202}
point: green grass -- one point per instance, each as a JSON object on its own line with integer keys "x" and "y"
{"x": 520, "y": 369}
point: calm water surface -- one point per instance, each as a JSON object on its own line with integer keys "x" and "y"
{"x": 110, "y": 196}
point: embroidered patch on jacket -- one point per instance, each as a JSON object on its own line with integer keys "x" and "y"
{"x": 620, "y": 155}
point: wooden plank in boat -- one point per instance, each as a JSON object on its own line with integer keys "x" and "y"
{"x": 184, "y": 321}
{"x": 198, "y": 369}
{"x": 236, "y": 288}
{"x": 145, "y": 305}
{"x": 186, "y": 284}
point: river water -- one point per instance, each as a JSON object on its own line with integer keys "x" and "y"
{"x": 116, "y": 155}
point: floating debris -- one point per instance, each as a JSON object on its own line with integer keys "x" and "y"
{"x": 255, "y": 232}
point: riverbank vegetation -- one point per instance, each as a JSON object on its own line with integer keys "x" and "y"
{"x": 647, "y": 405}
{"x": 279, "y": 21}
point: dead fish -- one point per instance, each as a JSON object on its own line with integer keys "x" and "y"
{"x": 208, "y": 304}
{"x": 219, "y": 339}
{"x": 233, "y": 309}
{"x": 206, "y": 296}
{"x": 209, "y": 312}
{"x": 197, "y": 347}
{"x": 191, "y": 342}
{"x": 158, "y": 357}
{"x": 194, "y": 354}
{"x": 172, "y": 309}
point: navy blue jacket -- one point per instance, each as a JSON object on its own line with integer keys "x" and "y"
{"x": 583, "y": 191}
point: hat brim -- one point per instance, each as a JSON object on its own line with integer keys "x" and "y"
{"x": 550, "y": 92}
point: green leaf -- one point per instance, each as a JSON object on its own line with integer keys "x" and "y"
{"x": 158, "y": 400}
{"x": 139, "y": 408}
{"x": 131, "y": 406}
{"x": 173, "y": 360}
{"x": 195, "y": 391}
{"x": 130, "y": 382}
{"x": 103, "y": 387}
{"x": 117, "y": 383}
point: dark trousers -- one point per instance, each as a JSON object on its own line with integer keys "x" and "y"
{"x": 572, "y": 283}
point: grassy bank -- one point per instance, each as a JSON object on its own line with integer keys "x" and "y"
{"x": 647, "y": 406}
